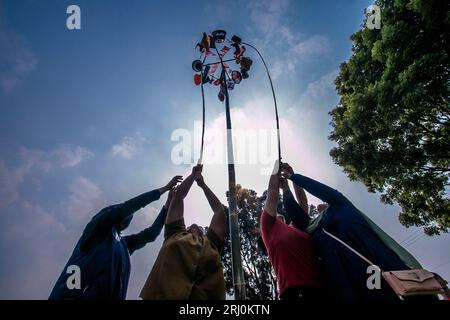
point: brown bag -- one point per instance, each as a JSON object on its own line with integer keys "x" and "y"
{"x": 406, "y": 282}
{"x": 413, "y": 282}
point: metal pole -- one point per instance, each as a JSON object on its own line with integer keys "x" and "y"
{"x": 238, "y": 275}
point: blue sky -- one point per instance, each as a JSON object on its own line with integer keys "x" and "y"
{"x": 87, "y": 117}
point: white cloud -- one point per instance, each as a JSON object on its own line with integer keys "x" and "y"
{"x": 34, "y": 257}
{"x": 17, "y": 59}
{"x": 85, "y": 199}
{"x": 33, "y": 217}
{"x": 70, "y": 156}
{"x": 143, "y": 218}
{"x": 11, "y": 178}
{"x": 277, "y": 69}
{"x": 311, "y": 46}
{"x": 286, "y": 48}
{"x": 43, "y": 239}
{"x": 318, "y": 98}
{"x": 36, "y": 161}
{"x": 128, "y": 147}
{"x": 267, "y": 15}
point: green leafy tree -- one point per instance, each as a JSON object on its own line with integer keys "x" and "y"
{"x": 391, "y": 125}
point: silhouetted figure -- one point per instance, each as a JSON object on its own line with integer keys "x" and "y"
{"x": 103, "y": 255}
{"x": 189, "y": 265}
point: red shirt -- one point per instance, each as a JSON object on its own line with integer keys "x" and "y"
{"x": 291, "y": 253}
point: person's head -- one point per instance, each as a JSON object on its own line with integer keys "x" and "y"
{"x": 108, "y": 210}
{"x": 322, "y": 207}
{"x": 196, "y": 230}
{"x": 281, "y": 218}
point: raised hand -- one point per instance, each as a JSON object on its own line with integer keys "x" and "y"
{"x": 286, "y": 170}
{"x": 199, "y": 179}
{"x": 172, "y": 183}
{"x": 197, "y": 169}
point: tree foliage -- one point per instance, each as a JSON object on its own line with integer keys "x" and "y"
{"x": 391, "y": 124}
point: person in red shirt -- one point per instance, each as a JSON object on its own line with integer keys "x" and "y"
{"x": 290, "y": 250}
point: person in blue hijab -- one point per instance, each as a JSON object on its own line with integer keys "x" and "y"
{"x": 346, "y": 273}
{"x": 102, "y": 254}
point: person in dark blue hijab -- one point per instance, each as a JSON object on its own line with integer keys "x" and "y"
{"x": 345, "y": 272}
{"x": 102, "y": 255}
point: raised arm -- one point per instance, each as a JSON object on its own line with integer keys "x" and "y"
{"x": 139, "y": 240}
{"x": 113, "y": 216}
{"x": 273, "y": 192}
{"x": 176, "y": 207}
{"x": 317, "y": 189}
{"x": 219, "y": 220}
{"x": 301, "y": 197}
{"x": 296, "y": 212}
{"x": 122, "y": 211}
{"x": 269, "y": 215}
